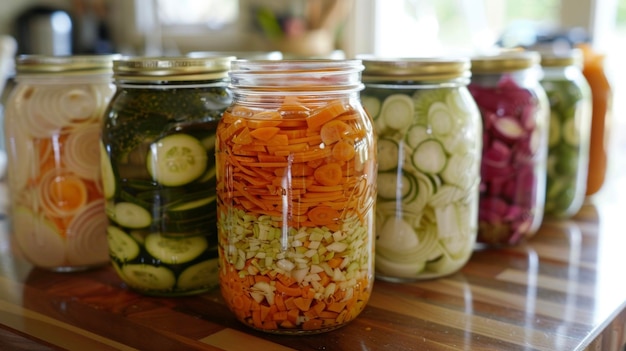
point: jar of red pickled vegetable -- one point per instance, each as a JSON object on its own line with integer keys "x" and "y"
{"x": 429, "y": 137}
{"x": 158, "y": 152}
{"x": 570, "y": 123}
{"x": 602, "y": 105}
{"x": 515, "y": 113}
{"x": 296, "y": 185}
{"x": 53, "y": 116}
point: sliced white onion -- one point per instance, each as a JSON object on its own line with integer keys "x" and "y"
{"x": 86, "y": 241}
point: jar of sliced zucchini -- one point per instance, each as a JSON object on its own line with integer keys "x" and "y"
{"x": 296, "y": 185}
{"x": 515, "y": 113}
{"x": 429, "y": 142}
{"x": 158, "y": 170}
{"x": 570, "y": 126}
{"x": 53, "y": 115}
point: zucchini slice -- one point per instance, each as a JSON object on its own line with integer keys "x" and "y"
{"x": 121, "y": 245}
{"x": 429, "y": 157}
{"x": 397, "y": 111}
{"x": 176, "y": 160}
{"x": 199, "y": 275}
{"x": 388, "y": 152}
{"x": 175, "y": 250}
{"x": 130, "y": 215}
{"x": 148, "y": 278}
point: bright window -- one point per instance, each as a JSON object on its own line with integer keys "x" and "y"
{"x": 210, "y": 13}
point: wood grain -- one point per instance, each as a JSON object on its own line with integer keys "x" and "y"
{"x": 558, "y": 291}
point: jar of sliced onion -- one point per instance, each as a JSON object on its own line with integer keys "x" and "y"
{"x": 515, "y": 113}
{"x": 52, "y": 127}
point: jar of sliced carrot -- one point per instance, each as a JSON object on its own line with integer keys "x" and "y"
{"x": 53, "y": 121}
{"x": 159, "y": 172}
{"x": 570, "y": 124}
{"x": 296, "y": 185}
{"x": 515, "y": 112}
{"x": 429, "y": 150}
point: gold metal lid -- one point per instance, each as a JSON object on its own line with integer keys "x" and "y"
{"x": 172, "y": 68}
{"x": 414, "y": 69}
{"x": 65, "y": 65}
{"x": 505, "y": 61}
{"x": 571, "y": 57}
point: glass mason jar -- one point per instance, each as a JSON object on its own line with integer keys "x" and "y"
{"x": 570, "y": 123}
{"x": 429, "y": 137}
{"x": 296, "y": 187}
{"x": 53, "y": 116}
{"x": 515, "y": 113}
{"x": 602, "y": 109}
{"x": 158, "y": 146}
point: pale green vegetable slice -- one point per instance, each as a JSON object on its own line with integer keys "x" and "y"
{"x": 397, "y": 111}
{"x": 429, "y": 157}
{"x": 121, "y": 245}
{"x": 441, "y": 119}
{"x": 388, "y": 154}
{"x": 176, "y": 160}
{"x": 148, "y": 278}
{"x": 130, "y": 215}
{"x": 571, "y": 133}
{"x": 416, "y": 135}
{"x": 554, "y": 130}
{"x": 389, "y": 267}
{"x": 371, "y": 105}
{"x": 175, "y": 250}
{"x": 199, "y": 275}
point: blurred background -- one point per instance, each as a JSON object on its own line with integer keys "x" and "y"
{"x": 317, "y": 28}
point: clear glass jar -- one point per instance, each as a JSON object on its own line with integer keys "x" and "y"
{"x": 296, "y": 186}
{"x": 429, "y": 137}
{"x": 158, "y": 146}
{"x": 570, "y": 124}
{"x": 515, "y": 113}
{"x": 602, "y": 110}
{"x": 53, "y": 115}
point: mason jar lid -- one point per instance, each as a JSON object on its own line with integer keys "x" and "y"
{"x": 505, "y": 61}
{"x": 571, "y": 57}
{"x": 65, "y": 65}
{"x": 172, "y": 68}
{"x": 414, "y": 69}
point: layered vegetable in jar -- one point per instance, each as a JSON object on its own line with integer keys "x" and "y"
{"x": 429, "y": 138}
{"x": 515, "y": 112}
{"x": 296, "y": 185}
{"x": 569, "y": 96}
{"x": 53, "y": 116}
{"x": 159, "y": 172}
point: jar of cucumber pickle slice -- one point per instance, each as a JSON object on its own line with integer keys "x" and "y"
{"x": 429, "y": 151}
{"x": 569, "y": 96}
{"x": 158, "y": 165}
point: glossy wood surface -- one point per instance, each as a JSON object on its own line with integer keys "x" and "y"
{"x": 565, "y": 289}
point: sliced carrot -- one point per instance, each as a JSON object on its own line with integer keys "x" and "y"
{"x": 292, "y": 103}
{"x": 279, "y": 139}
{"x": 264, "y": 133}
{"x": 329, "y": 174}
{"x": 334, "y": 131}
{"x": 68, "y": 192}
{"x": 325, "y": 114}
{"x": 302, "y": 303}
{"x": 323, "y": 215}
{"x": 296, "y": 170}
{"x": 243, "y": 138}
{"x": 343, "y": 151}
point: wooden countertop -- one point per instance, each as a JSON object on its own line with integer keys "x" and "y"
{"x": 563, "y": 290}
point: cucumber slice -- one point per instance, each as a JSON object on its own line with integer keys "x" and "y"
{"x": 386, "y": 266}
{"x": 392, "y": 185}
{"x": 416, "y": 135}
{"x": 121, "y": 245}
{"x": 554, "y": 130}
{"x": 371, "y": 105}
{"x": 397, "y": 111}
{"x": 106, "y": 170}
{"x": 176, "y": 160}
{"x": 148, "y": 278}
{"x": 130, "y": 215}
{"x": 571, "y": 133}
{"x": 175, "y": 250}
{"x": 199, "y": 275}
{"x": 429, "y": 157}
{"x": 388, "y": 151}
{"x": 440, "y": 119}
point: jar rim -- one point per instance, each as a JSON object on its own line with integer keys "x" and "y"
{"x": 171, "y": 68}
{"x": 415, "y": 68}
{"x": 570, "y": 57}
{"x": 504, "y": 61}
{"x": 65, "y": 64}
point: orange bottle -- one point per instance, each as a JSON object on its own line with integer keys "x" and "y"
{"x": 593, "y": 70}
